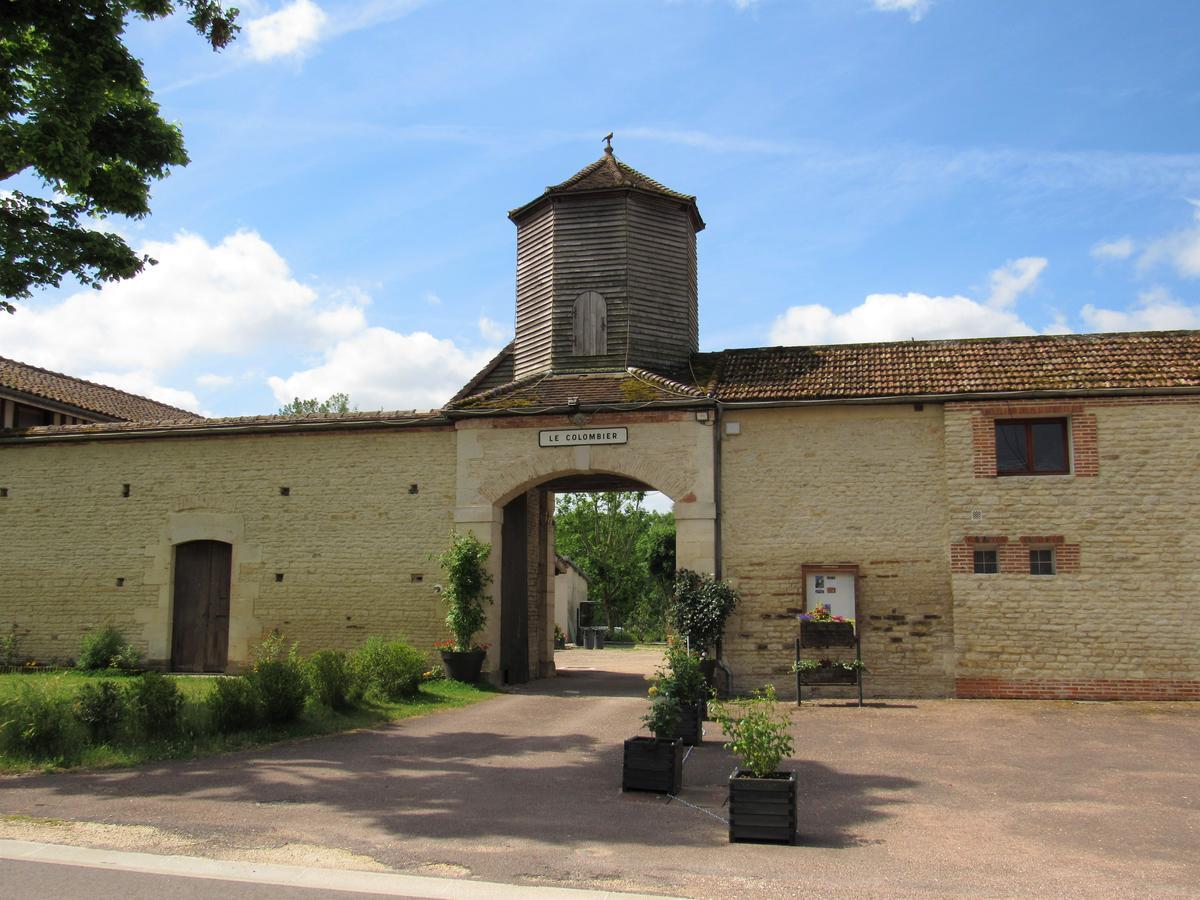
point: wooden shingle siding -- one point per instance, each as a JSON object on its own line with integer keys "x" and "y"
{"x": 535, "y": 284}
{"x": 662, "y": 283}
{"x": 590, "y": 254}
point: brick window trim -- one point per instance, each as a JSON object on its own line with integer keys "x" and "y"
{"x": 1012, "y": 554}
{"x": 1081, "y": 435}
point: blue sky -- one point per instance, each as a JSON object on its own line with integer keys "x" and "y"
{"x": 868, "y": 169}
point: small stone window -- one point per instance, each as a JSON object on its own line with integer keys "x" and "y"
{"x": 987, "y": 561}
{"x": 1032, "y": 447}
{"x": 589, "y": 325}
{"x": 1041, "y": 561}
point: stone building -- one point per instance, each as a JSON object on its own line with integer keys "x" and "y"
{"x": 1008, "y": 517}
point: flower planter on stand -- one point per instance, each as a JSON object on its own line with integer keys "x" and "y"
{"x": 652, "y": 765}
{"x": 464, "y": 666}
{"x": 762, "y": 810}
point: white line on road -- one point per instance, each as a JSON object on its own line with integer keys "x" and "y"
{"x": 349, "y": 880}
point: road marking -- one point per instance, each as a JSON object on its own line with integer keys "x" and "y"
{"x": 348, "y": 880}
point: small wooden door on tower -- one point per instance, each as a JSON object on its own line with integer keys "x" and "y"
{"x": 590, "y": 325}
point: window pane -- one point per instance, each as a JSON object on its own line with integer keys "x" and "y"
{"x": 1011, "y": 452}
{"x": 1041, "y": 562}
{"x": 986, "y": 562}
{"x": 1049, "y": 446}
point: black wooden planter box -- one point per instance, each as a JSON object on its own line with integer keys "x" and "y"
{"x": 762, "y": 810}
{"x": 691, "y": 723}
{"x": 652, "y": 765}
{"x": 826, "y": 634}
{"x": 829, "y": 675}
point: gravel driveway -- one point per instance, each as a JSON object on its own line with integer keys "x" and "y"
{"x": 901, "y": 798}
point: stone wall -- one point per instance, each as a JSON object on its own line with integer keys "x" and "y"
{"x": 345, "y": 554}
{"x": 1121, "y": 617}
{"x": 860, "y": 485}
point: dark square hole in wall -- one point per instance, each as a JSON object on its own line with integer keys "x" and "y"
{"x": 124, "y": 490}
{"x": 412, "y": 489}
{"x": 416, "y": 579}
{"x": 3, "y": 492}
{"x": 279, "y": 576}
{"x": 285, "y": 492}
{"x": 120, "y": 582}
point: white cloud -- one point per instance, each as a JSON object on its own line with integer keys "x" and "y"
{"x": 916, "y": 9}
{"x": 895, "y": 317}
{"x": 291, "y": 30}
{"x": 1121, "y": 248}
{"x": 431, "y": 298}
{"x": 1013, "y": 279}
{"x": 1156, "y": 310}
{"x": 898, "y": 317}
{"x": 493, "y": 331}
{"x": 212, "y": 380}
{"x": 384, "y": 369}
{"x": 1181, "y": 249}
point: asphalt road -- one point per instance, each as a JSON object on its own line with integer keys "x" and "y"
{"x": 903, "y": 798}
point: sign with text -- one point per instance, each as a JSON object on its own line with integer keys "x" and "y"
{"x": 578, "y": 437}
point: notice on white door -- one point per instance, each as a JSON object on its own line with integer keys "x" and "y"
{"x": 578, "y": 437}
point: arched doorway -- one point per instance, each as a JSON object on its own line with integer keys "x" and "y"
{"x": 200, "y": 606}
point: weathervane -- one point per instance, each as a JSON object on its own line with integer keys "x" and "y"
{"x": 608, "y": 143}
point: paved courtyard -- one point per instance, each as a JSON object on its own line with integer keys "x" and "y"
{"x": 900, "y": 798}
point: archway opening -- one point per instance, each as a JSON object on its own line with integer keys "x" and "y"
{"x": 603, "y": 584}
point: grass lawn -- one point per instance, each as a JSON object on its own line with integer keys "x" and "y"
{"x": 193, "y": 739}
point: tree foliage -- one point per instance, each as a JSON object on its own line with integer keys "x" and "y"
{"x": 337, "y": 403}
{"x": 700, "y": 604}
{"x": 77, "y": 114}
{"x": 467, "y": 577}
{"x": 621, "y": 546}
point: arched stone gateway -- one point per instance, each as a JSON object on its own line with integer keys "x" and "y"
{"x": 505, "y": 479}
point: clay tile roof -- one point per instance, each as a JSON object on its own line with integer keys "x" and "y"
{"x": 606, "y": 174}
{"x": 1129, "y": 361}
{"x": 237, "y": 423}
{"x": 628, "y": 387}
{"x": 107, "y": 402}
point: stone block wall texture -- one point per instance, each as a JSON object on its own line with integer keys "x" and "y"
{"x": 351, "y": 539}
{"x": 839, "y": 485}
{"x": 1121, "y": 618}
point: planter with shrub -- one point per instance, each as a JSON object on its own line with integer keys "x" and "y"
{"x": 682, "y": 680}
{"x": 699, "y": 608}
{"x": 762, "y": 798}
{"x": 467, "y": 577}
{"x": 655, "y": 763}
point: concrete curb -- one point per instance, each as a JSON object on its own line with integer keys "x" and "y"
{"x": 348, "y": 880}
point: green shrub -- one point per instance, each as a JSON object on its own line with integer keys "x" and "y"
{"x": 128, "y": 658}
{"x": 100, "y": 707}
{"x": 663, "y": 717}
{"x": 154, "y": 704}
{"x": 280, "y": 681}
{"x": 233, "y": 705}
{"x": 757, "y": 731}
{"x": 99, "y": 648}
{"x": 467, "y": 577}
{"x": 700, "y": 604}
{"x": 330, "y": 678}
{"x": 681, "y": 676}
{"x": 37, "y": 723}
{"x": 388, "y": 670}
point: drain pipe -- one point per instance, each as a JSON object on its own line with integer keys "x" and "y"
{"x": 718, "y": 547}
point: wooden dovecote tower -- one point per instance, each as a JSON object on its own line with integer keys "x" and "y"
{"x": 606, "y": 274}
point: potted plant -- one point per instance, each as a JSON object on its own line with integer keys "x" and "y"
{"x": 699, "y": 606}
{"x": 762, "y": 799}
{"x": 560, "y": 639}
{"x": 820, "y": 628}
{"x": 655, "y": 763}
{"x": 682, "y": 679}
{"x": 465, "y": 564}
{"x": 828, "y": 671}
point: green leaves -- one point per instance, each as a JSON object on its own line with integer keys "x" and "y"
{"x": 76, "y": 110}
{"x": 465, "y": 564}
{"x": 337, "y": 403}
{"x": 757, "y": 731}
{"x": 700, "y": 604}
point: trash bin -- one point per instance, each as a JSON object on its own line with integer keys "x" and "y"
{"x": 589, "y": 638}
{"x": 600, "y": 637}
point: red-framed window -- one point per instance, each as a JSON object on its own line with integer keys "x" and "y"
{"x": 1032, "y": 447}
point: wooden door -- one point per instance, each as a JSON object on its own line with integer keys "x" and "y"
{"x": 514, "y": 595}
{"x": 200, "y": 629}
